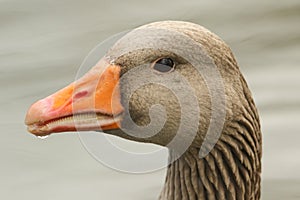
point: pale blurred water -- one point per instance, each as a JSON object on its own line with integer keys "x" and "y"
{"x": 42, "y": 44}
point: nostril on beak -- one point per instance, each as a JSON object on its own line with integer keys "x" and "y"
{"x": 80, "y": 94}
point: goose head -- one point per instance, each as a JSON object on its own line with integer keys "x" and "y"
{"x": 174, "y": 84}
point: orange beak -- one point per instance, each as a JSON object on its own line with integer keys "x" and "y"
{"x": 90, "y": 103}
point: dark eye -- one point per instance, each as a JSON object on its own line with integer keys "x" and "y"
{"x": 164, "y": 65}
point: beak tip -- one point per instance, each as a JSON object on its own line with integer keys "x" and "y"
{"x": 35, "y": 113}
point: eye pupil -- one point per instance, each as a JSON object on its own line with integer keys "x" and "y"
{"x": 164, "y": 65}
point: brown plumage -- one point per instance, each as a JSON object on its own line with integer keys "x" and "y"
{"x": 232, "y": 169}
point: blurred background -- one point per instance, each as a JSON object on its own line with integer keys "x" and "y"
{"x": 43, "y": 43}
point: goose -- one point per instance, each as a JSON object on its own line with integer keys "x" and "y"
{"x": 174, "y": 84}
